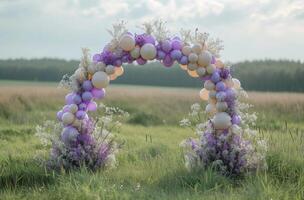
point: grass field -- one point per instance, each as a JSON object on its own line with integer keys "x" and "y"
{"x": 148, "y": 169}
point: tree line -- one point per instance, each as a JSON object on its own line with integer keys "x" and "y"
{"x": 258, "y": 75}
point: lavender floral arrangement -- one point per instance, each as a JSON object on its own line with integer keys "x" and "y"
{"x": 233, "y": 151}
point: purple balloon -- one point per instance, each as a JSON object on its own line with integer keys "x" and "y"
{"x": 77, "y": 99}
{"x": 168, "y": 62}
{"x": 230, "y": 95}
{"x": 118, "y": 63}
{"x": 92, "y": 106}
{"x": 149, "y": 39}
{"x": 97, "y": 57}
{"x": 98, "y": 93}
{"x": 160, "y": 55}
{"x": 69, "y": 135}
{"x": 166, "y": 46}
{"x": 176, "y": 54}
{"x": 184, "y": 60}
{"x": 221, "y": 96}
{"x": 236, "y": 119}
{"x": 215, "y": 77}
{"x": 141, "y": 61}
{"x": 220, "y": 86}
{"x": 225, "y": 73}
{"x": 80, "y": 114}
{"x": 176, "y": 44}
{"x": 87, "y": 96}
{"x": 66, "y": 108}
{"x": 87, "y": 85}
{"x": 59, "y": 115}
{"x": 69, "y": 98}
{"x": 82, "y": 106}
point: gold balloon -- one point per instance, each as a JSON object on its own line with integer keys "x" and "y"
{"x": 193, "y": 74}
{"x": 184, "y": 67}
{"x": 204, "y": 94}
{"x": 113, "y": 77}
{"x": 119, "y": 71}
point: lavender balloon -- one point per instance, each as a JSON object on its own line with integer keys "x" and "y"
{"x": 168, "y": 62}
{"x": 166, "y": 46}
{"x": 177, "y": 44}
{"x": 69, "y": 135}
{"x": 87, "y": 85}
{"x": 98, "y": 93}
{"x": 160, "y": 55}
{"x": 69, "y": 98}
{"x": 215, "y": 77}
{"x": 220, "y": 86}
{"x": 87, "y": 96}
{"x": 77, "y": 99}
{"x": 80, "y": 114}
{"x": 92, "y": 106}
{"x": 184, "y": 60}
{"x": 176, "y": 54}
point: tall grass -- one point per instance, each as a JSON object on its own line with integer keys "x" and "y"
{"x": 151, "y": 162}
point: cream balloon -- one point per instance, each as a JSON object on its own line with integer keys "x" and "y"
{"x": 228, "y": 82}
{"x": 192, "y": 73}
{"x": 186, "y": 50}
{"x": 210, "y": 109}
{"x": 73, "y": 108}
{"x": 110, "y": 69}
{"x": 209, "y": 85}
{"x": 119, "y": 71}
{"x": 221, "y": 106}
{"x": 197, "y": 48}
{"x": 76, "y": 123}
{"x": 183, "y": 67}
{"x": 204, "y": 59}
{"x": 148, "y": 51}
{"x": 127, "y": 42}
{"x": 80, "y": 75}
{"x": 100, "y": 66}
{"x": 68, "y": 118}
{"x": 212, "y": 100}
{"x": 92, "y": 68}
{"x": 201, "y": 71}
{"x": 236, "y": 83}
{"x": 210, "y": 69}
{"x": 221, "y": 120}
{"x": 192, "y": 58}
{"x": 204, "y": 94}
{"x": 192, "y": 66}
{"x": 135, "y": 53}
{"x": 100, "y": 80}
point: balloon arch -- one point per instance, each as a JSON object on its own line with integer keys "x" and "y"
{"x": 222, "y": 141}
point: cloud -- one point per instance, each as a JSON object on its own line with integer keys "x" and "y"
{"x": 58, "y": 28}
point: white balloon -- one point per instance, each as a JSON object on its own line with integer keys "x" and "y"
{"x": 68, "y": 118}
{"x": 192, "y": 66}
{"x": 209, "y": 85}
{"x": 204, "y": 59}
{"x": 236, "y": 83}
{"x": 100, "y": 66}
{"x": 221, "y": 120}
{"x": 210, "y": 109}
{"x": 148, "y": 51}
{"x": 110, "y": 69}
{"x": 92, "y": 68}
{"x": 100, "y": 80}
{"x": 201, "y": 71}
{"x": 135, "y": 53}
{"x": 204, "y": 94}
{"x": 192, "y": 58}
{"x": 186, "y": 50}
{"x": 197, "y": 48}
{"x": 73, "y": 108}
{"x": 221, "y": 106}
{"x": 210, "y": 69}
{"x": 80, "y": 75}
{"x": 127, "y": 42}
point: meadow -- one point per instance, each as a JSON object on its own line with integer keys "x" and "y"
{"x": 151, "y": 162}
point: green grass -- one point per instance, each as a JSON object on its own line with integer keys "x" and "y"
{"x": 149, "y": 167}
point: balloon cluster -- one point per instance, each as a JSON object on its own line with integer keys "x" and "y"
{"x": 194, "y": 56}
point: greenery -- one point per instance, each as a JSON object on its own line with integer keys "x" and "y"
{"x": 263, "y": 75}
{"x": 151, "y": 162}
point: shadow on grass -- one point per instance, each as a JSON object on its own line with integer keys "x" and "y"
{"x": 16, "y": 173}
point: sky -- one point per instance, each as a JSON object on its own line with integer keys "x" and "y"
{"x": 250, "y": 29}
